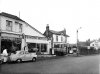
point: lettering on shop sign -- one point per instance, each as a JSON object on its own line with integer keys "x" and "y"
{"x": 35, "y": 37}
{"x": 41, "y": 38}
{"x": 11, "y": 35}
{"x": 31, "y": 37}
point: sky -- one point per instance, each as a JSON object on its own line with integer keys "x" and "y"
{"x": 59, "y": 14}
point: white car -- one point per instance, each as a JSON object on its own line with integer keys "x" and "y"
{"x": 3, "y": 58}
{"x": 20, "y": 56}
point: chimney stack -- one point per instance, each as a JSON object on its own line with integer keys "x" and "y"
{"x": 47, "y": 27}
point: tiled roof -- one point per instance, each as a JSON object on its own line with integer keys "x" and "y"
{"x": 58, "y": 32}
{"x": 10, "y": 16}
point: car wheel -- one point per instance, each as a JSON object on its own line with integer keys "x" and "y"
{"x": 33, "y": 59}
{"x": 19, "y": 60}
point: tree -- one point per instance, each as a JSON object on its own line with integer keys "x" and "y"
{"x": 88, "y": 42}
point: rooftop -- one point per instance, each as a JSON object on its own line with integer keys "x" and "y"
{"x": 59, "y": 32}
{"x": 10, "y": 16}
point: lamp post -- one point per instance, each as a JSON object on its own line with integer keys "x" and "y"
{"x": 77, "y": 41}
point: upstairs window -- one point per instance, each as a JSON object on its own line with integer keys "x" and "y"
{"x": 57, "y": 38}
{"x": 20, "y": 27}
{"x": 16, "y": 27}
{"x": 61, "y": 39}
{"x": 8, "y": 25}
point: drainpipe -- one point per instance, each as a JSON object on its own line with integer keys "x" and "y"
{"x": 0, "y": 35}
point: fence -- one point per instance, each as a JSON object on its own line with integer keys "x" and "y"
{"x": 86, "y": 51}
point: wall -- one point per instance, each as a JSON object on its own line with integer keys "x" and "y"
{"x": 27, "y": 30}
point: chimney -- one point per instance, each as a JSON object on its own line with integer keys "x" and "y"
{"x": 47, "y": 30}
{"x": 64, "y": 31}
{"x": 47, "y": 27}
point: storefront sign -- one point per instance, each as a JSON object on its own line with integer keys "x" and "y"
{"x": 35, "y": 37}
{"x": 11, "y": 35}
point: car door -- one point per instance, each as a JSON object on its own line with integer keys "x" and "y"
{"x": 22, "y": 55}
{"x": 27, "y": 56}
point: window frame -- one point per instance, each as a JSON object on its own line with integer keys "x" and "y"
{"x": 20, "y": 27}
{"x": 57, "y": 38}
{"x": 8, "y": 25}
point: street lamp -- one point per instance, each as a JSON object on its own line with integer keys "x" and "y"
{"x": 77, "y": 40}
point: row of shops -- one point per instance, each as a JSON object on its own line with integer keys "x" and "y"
{"x": 14, "y": 42}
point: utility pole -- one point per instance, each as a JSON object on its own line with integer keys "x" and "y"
{"x": 19, "y": 14}
{"x": 77, "y": 41}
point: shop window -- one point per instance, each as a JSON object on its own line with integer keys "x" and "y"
{"x": 43, "y": 47}
{"x": 8, "y": 25}
{"x": 31, "y": 47}
{"x": 56, "y": 45}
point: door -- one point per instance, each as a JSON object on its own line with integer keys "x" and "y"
{"x": 21, "y": 55}
{"x": 27, "y": 56}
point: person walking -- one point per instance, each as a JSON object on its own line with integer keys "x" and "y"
{"x": 5, "y": 55}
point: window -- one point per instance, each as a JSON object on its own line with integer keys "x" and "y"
{"x": 45, "y": 48}
{"x": 56, "y": 38}
{"x": 61, "y": 39}
{"x": 56, "y": 46}
{"x": 16, "y": 26}
{"x": 20, "y": 27}
{"x": 8, "y": 25}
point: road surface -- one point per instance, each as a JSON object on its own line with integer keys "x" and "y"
{"x": 65, "y": 65}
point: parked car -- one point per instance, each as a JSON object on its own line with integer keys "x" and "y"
{"x": 3, "y": 58}
{"x": 20, "y": 56}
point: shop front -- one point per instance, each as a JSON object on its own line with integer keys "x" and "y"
{"x": 12, "y": 42}
{"x": 41, "y": 44}
{"x": 40, "y": 48}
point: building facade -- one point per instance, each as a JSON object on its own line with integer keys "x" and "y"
{"x": 58, "y": 38}
{"x": 95, "y": 44}
{"x": 12, "y": 29}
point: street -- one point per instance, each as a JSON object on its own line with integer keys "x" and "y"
{"x": 67, "y": 64}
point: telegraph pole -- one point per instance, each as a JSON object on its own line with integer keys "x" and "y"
{"x": 77, "y": 41}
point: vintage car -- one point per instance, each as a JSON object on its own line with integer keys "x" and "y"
{"x": 3, "y": 58}
{"x": 20, "y": 56}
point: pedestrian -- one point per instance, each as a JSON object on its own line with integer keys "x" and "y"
{"x": 5, "y": 52}
{"x": 5, "y": 55}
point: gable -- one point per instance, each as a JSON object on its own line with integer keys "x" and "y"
{"x": 29, "y": 30}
